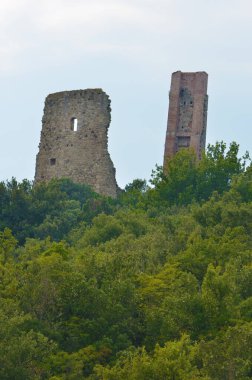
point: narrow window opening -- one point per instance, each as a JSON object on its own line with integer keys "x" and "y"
{"x": 74, "y": 124}
{"x": 52, "y": 161}
{"x": 183, "y": 142}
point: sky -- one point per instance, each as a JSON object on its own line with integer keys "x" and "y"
{"x": 129, "y": 48}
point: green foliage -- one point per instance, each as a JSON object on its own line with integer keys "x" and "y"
{"x": 188, "y": 180}
{"x": 229, "y": 355}
{"x": 178, "y": 187}
{"x": 77, "y": 365}
{"x": 170, "y": 303}
{"x": 23, "y": 354}
{"x": 154, "y": 285}
{"x": 44, "y": 210}
{"x": 176, "y": 360}
{"x": 7, "y": 245}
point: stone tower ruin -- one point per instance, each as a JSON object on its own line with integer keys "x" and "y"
{"x": 187, "y": 116}
{"x": 74, "y": 140}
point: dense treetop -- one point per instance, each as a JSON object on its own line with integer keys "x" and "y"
{"x": 154, "y": 285}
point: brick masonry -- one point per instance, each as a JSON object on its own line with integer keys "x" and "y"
{"x": 74, "y": 140}
{"x": 187, "y": 115}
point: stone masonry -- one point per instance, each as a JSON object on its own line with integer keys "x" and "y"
{"x": 187, "y": 116}
{"x": 74, "y": 140}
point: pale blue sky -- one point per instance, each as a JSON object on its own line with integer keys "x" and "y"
{"x": 128, "y": 48}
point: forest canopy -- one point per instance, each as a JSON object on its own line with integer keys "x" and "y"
{"x": 156, "y": 284}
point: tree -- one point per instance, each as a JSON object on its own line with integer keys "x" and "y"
{"x": 174, "y": 361}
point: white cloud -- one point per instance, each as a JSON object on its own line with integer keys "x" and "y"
{"x": 30, "y": 28}
{"x": 38, "y": 33}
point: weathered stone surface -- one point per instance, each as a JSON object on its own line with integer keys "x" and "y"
{"x": 187, "y": 116}
{"x": 74, "y": 140}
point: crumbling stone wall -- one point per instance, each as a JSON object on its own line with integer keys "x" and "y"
{"x": 74, "y": 140}
{"x": 187, "y": 116}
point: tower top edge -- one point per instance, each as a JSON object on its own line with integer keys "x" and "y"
{"x": 82, "y": 92}
{"x": 189, "y": 72}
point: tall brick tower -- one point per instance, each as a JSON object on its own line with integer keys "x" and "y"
{"x": 187, "y": 116}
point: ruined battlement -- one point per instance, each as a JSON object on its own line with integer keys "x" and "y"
{"x": 74, "y": 140}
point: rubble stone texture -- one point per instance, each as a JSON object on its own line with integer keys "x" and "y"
{"x": 187, "y": 116}
{"x": 74, "y": 140}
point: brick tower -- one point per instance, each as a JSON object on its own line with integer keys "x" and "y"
{"x": 74, "y": 140}
{"x": 187, "y": 116}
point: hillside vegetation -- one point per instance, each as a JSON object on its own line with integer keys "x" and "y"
{"x": 154, "y": 285}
